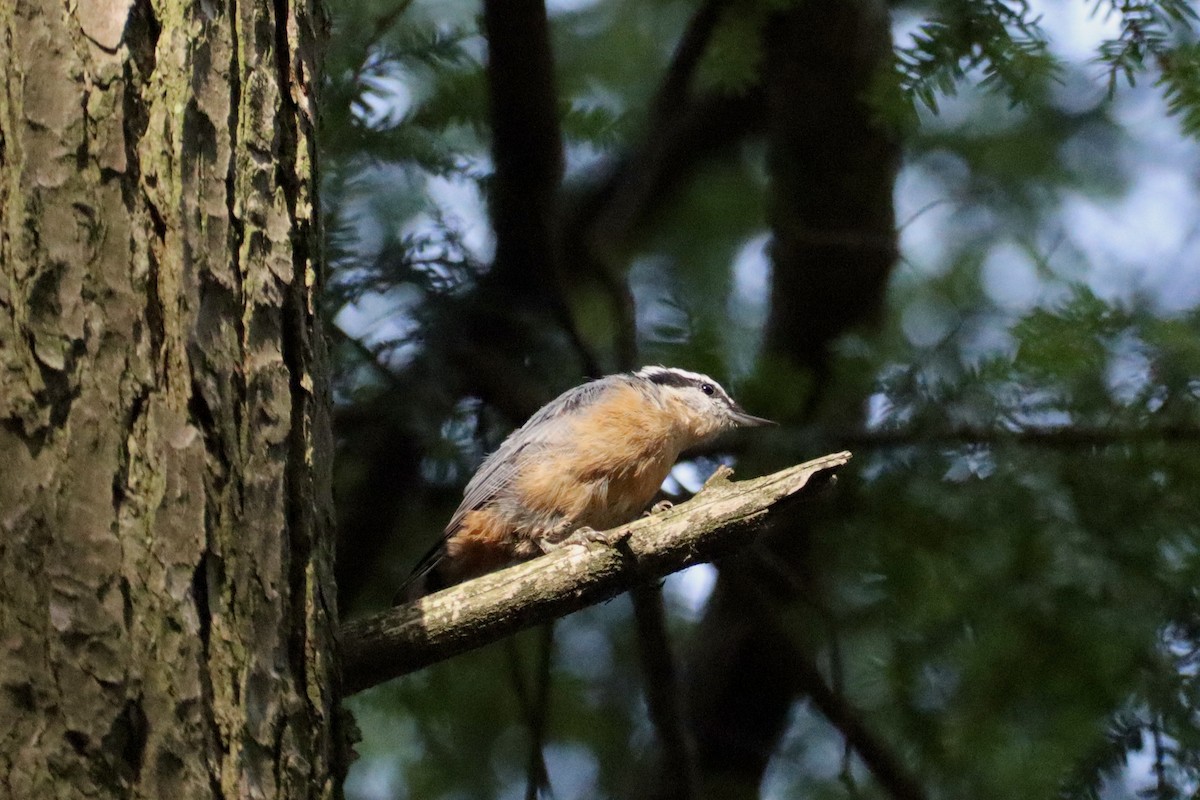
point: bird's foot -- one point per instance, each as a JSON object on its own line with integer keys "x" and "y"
{"x": 658, "y": 508}
{"x": 580, "y": 537}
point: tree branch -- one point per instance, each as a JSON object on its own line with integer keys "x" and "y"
{"x": 1057, "y": 436}
{"x": 527, "y": 151}
{"x": 682, "y": 130}
{"x": 889, "y": 770}
{"x": 833, "y": 167}
{"x": 662, "y": 691}
{"x": 722, "y": 516}
{"x": 677, "y": 82}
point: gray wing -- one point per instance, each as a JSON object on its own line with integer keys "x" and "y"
{"x": 499, "y": 469}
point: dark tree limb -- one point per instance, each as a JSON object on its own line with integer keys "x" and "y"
{"x": 832, "y": 169}
{"x": 478, "y": 612}
{"x": 677, "y": 82}
{"x": 1063, "y": 437}
{"x": 682, "y": 130}
{"x": 662, "y": 692}
{"x": 833, "y": 166}
{"x": 527, "y": 151}
{"x": 526, "y": 140}
{"x": 534, "y": 700}
{"x": 602, "y": 228}
{"x": 892, "y": 774}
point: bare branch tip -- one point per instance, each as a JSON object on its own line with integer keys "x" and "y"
{"x": 719, "y": 478}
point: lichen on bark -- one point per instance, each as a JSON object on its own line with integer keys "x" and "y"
{"x": 165, "y": 592}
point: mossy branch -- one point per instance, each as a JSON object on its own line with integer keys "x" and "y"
{"x": 724, "y": 515}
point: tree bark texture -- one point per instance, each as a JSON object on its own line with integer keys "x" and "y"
{"x": 166, "y": 606}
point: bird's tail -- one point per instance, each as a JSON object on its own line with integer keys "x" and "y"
{"x": 426, "y": 577}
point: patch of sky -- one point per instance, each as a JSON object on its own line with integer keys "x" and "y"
{"x": 1140, "y": 244}
{"x": 1010, "y": 278}
{"x": 811, "y": 755}
{"x": 461, "y": 205}
{"x": 747, "y": 304}
{"x": 1139, "y": 778}
{"x": 934, "y": 219}
{"x": 1128, "y": 372}
{"x": 380, "y": 317}
{"x": 586, "y": 649}
{"x": 658, "y": 315}
{"x": 927, "y": 320}
{"x": 384, "y": 321}
{"x": 388, "y": 97}
{"x": 572, "y": 770}
{"x": 555, "y": 7}
{"x": 687, "y": 592}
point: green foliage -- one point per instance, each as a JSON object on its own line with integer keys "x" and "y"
{"x": 999, "y": 38}
{"x": 1158, "y": 34}
{"x": 1146, "y": 32}
{"x": 734, "y": 60}
{"x": 1180, "y": 82}
{"x": 1028, "y": 588}
{"x": 1003, "y": 44}
{"x": 594, "y": 125}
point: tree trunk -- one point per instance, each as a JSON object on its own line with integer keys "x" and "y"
{"x": 833, "y": 164}
{"x": 165, "y": 601}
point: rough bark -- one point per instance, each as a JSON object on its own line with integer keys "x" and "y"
{"x": 483, "y": 610}
{"x": 165, "y": 599}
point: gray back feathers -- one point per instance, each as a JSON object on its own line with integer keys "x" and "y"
{"x": 547, "y": 426}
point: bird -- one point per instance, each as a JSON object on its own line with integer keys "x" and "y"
{"x": 589, "y": 460}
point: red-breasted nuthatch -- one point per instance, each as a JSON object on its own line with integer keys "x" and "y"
{"x": 594, "y": 457}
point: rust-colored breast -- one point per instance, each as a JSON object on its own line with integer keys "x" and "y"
{"x": 616, "y": 455}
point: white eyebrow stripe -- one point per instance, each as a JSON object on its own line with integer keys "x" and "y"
{"x": 649, "y": 372}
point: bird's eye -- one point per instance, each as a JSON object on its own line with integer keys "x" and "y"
{"x": 707, "y": 389}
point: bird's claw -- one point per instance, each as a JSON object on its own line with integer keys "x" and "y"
{"x": 659, "y": 507}
{"x": 580, "y": 537}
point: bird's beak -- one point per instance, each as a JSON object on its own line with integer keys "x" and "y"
{"x": 744, "y": 420}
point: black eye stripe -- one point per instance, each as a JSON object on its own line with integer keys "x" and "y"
{"x": 666, "y": 378}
